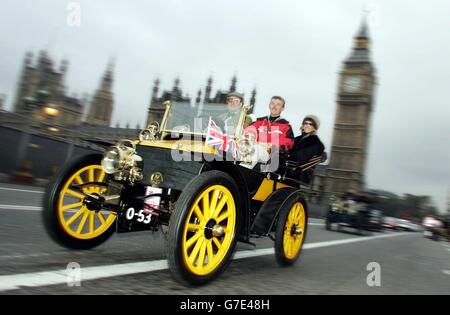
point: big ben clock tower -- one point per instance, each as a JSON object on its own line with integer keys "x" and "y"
{"x": 355, "y": 99}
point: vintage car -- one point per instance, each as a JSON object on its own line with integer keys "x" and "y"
{"x": 360, "y": 215}
{"x": 173, "y": 179}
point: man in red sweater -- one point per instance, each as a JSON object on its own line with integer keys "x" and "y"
{"x": 272, "y": 132}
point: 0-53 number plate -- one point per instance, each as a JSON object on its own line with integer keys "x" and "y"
{"x": 141, "y": 216}
{"x": 138, "y": 219}
{"x": 133, "y": 220}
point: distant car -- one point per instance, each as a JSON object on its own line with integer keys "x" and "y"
{"x": 405, "y": 225}
{"x": 436, "y": 228}
{"x": 414, "y": 227}
{"x": 390, "y": 223}
{"x": 375, "y": 219}
{"x": 355, "y": 215}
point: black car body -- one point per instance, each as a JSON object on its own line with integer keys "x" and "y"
{"x": 358, "y": 215}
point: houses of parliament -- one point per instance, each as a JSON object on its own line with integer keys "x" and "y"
{"x": 41, "y": 93}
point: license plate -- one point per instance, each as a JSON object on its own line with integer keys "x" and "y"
{"x": 137, "y": 219}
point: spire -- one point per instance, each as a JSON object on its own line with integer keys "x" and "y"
{"x": 22, "y": 90}
{"x": 155, "y": 89}
{"x": 363, "y": 29}
{"x": 28, "y": 58}
{"x": 44, "y": 61}
{"x": 63, "y": 66}
{"x": 176, "y": 91}
{"x": 253, "y": 98}
{"x": 361, "y": 45}
{"x": 154, "y": 98}
{"x": 199, "y": 97}
{"x": 102, "y": 103}
{"x": 233, "y": 84}
{"x": 176, "y": 84}
{"x": 107, "y": 79}
{"x": 208, "y": 89}
{"x": 42, "y": 56}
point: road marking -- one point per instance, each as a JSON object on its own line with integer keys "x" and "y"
{"x": 22, "y": 190}
{"x": 269, "y": 251}
{"x": 20, "y": 256}
{"x": 33, "y": 208}
{"x": 16, "y": 207}
{"x": 37, "y": 279}
{"x": 447, "y": 272}
{"x": 351, "y": 240}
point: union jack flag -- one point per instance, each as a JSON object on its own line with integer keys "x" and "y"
{"x": 219, "y": 140}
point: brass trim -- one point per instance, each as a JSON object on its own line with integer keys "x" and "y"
{"x": 164, "y": 120}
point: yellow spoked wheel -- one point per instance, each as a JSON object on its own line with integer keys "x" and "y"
{"x": 209, "y": 231}
{"x": 291, "y": 231}
{"x": 66, "y": 217}
{"x": 75, "y": 218}
{"x": 203, "y": 227}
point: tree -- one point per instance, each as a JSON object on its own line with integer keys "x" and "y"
{"x": 408, "y": 206}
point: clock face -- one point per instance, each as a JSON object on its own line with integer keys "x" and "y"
{"x": 352, "y": 84}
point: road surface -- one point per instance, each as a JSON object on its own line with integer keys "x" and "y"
{"x": 331, "y": 262}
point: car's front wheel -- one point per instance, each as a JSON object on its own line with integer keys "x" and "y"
{"x": 203, "y": 228}
{"x": 65, "y": 216}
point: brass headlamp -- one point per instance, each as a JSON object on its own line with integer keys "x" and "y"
{"x": 122, "y": 161}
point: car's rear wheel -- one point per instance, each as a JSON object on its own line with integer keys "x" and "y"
{"x": 203, "y": 228}
{"x": 291, "y": 230}
{"x": 66, "y": 218}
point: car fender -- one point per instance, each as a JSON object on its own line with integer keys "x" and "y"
{"x": 268, "y": 213}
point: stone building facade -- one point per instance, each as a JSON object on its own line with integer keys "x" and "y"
{"x": 156, "y": 108}
{"x": 41, "y": 92}
{"x": 102, "y": 104}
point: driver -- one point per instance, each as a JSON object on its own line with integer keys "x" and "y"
{"x": 230, "y": 119}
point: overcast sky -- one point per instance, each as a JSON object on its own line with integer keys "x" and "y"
{"x": 290, "y": 48}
